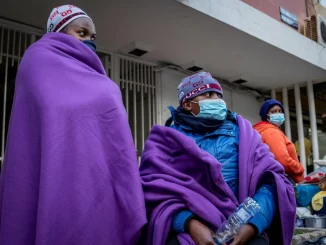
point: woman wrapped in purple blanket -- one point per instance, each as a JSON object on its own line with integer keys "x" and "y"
{"x": 70, "y": 171}
{"x": 198, "y": 168}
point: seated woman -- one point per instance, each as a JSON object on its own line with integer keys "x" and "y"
{"x": 272, "y": 116}
{"x": 196, "y": 171}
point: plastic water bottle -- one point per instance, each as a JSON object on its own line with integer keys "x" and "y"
{"x": 248, "y": 209}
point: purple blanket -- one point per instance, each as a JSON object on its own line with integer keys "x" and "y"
{"x": 176, "y": 174}
{"x": 70, "y": 174}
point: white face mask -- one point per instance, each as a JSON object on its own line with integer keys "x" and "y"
{"x": 276, "y": 119}
{"x": 212, "y": 108}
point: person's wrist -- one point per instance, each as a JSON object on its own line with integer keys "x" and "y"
{"x": 192, "y": 225}
{"x": 187, "y": 223}
{"x": 252, "y": 230}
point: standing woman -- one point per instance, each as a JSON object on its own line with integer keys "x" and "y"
{"x": 272, "y": 116}
{"x": 70, "y": 171}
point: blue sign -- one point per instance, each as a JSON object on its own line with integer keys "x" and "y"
{"x": 289, "y": 18}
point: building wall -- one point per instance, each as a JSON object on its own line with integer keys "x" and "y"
{"x": 272, "y": 8}
{"x": 243, "y": 103}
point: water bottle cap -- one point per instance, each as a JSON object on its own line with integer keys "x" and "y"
{"x": 216, "y": 241}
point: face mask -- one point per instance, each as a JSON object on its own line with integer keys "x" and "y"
{"x": 212, "y": 109}
{"x": 277, "y": 119}
{"x": 90, "y": 44}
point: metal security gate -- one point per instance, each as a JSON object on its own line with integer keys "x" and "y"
{"x": 139, "y": 88}
{"x": 14, "y": 40}
{"x": 138, "y": 82}
{"x": 106, "y": 61}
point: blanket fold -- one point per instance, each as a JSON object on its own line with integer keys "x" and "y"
{"x": 176, "y": 174}
{"x": 70, "y": 173}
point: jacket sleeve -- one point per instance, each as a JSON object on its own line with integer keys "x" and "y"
{"x": 277, "y": 146}
{"x": 266, "y": 198}
{"x": 180, "y": 220}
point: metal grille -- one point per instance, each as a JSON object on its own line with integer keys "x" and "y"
{"x": 107, "y": 62}
{"x": 138, "y": 84}
{"x": 13, "y": 43}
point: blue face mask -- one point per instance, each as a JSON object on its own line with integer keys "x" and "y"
{"x": 212, "y": 109}
{"x": 277, "y": 119}
{"x": 90, "y": 44}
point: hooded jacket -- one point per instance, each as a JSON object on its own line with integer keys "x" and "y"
{"x": 282, "y": 148}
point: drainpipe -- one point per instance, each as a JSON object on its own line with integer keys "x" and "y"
{"x": 313, "y": 123}
{"x": 298, "y": 109}
{"x": 273, "y": 94}
{"x": 287, "y": 113}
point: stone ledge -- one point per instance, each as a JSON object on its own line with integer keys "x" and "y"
{"x": 307, "y": 234}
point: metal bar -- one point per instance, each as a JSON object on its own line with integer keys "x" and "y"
{"x": 126, "y": 89}
{"x": 25, "y": 43}
{"x": 19, "y": 47}
{"x": 142, "y": 106}
{"x": 1, "y": 44}
{"x": 109, "y": 58}
{"x": 153, "y": 79}
{"x": 13, "y": 50}
{"x": 273, "y": 94}
{"x": 300, "y": 126}
{"x": 313, "y": 123}
{"x": 106, "y": 64}
{"x": 158, "y": 78}
{"x": 130, "y": 75}
{"x": 135, "y": 104}
{"x": 154, "y": 96}
{"x": 122, "y": 75}
{"x": 145, "y": 78}
{"x": 149, "y": 99}
{"x": 116, "y": 70}
{"x": 33, "y": 39}
{"x": 138, "y": 77}
{"x": 138, "y": 67}
{"x": 286, "y": 112}
{"x": 5, "y": 100}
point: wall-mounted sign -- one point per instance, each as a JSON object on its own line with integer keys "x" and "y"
{"x": 289, "y": 18}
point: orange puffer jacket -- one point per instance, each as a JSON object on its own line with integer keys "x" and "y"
{"x": 282, "y": 148}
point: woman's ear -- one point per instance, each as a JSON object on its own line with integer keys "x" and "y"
{"x": 187, "y": 105}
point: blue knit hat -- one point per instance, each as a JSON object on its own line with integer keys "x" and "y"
{"x": 197, "y": 84}
{"x": 267, "y": 106}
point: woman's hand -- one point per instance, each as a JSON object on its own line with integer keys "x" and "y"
{"x": 200, "y": 233}
{"x": 244, "y": 235}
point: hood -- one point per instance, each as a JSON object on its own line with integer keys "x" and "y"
{"x": 262, "y": 126}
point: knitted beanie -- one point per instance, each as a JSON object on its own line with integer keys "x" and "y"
{"x": 61, "y": 16}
